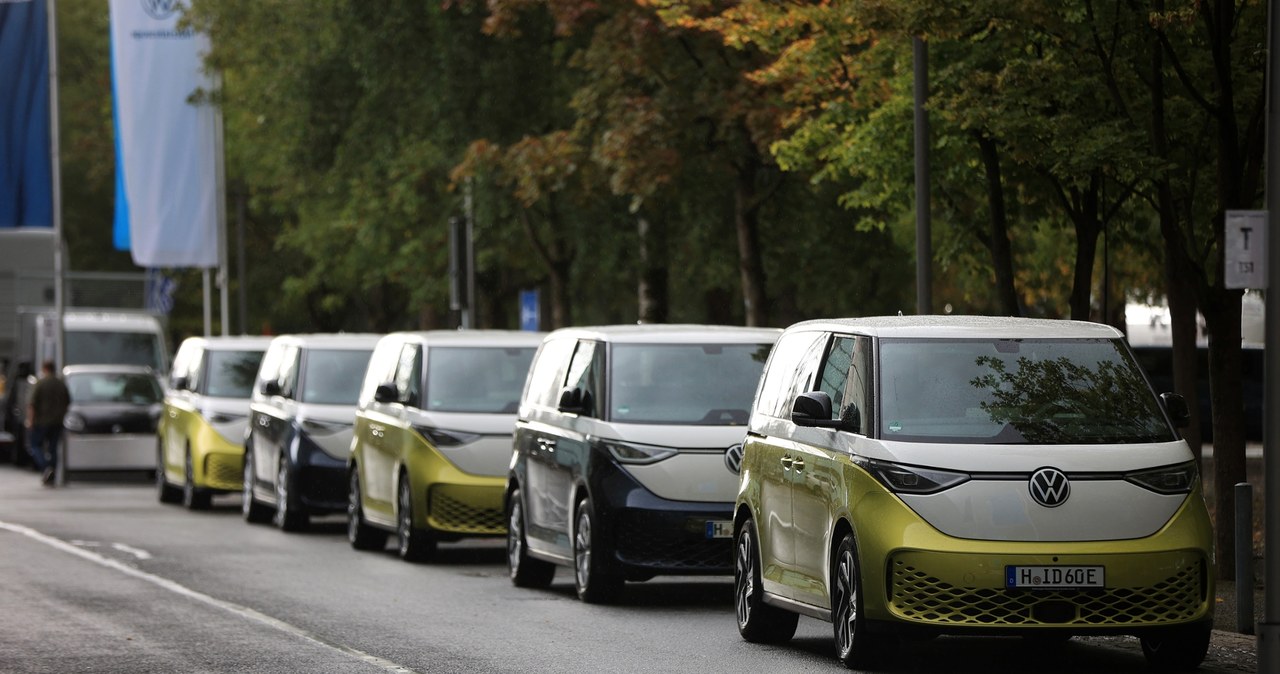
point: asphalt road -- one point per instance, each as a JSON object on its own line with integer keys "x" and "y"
{"x": 98, "y": 577}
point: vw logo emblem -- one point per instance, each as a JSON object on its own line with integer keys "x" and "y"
{"x": 117, "y": 428}
{"x": 1049, "y": 487}
{"x": 733, "y": 459}
{"x": 160, "y": 9}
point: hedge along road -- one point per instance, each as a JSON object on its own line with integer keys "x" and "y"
{"x": 99, "y": 577}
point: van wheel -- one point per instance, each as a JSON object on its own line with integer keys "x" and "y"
{"x": 359, "y": 533}
{"x": 415, "y": 544}
{"x": 854, "y": 647}
{"x": 253, "y": 511}
{"x": 757, "y": 621}
{"x": 525, "y": 570}
{"x": 165, "y": 492}
{"x": 193, "y": 498}
{"x": 596, "y": 582}
{"x": 1177, "y": 649}
{"x": 287, "y": 518}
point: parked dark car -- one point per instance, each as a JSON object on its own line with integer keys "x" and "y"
{"x": 111, "y": 424}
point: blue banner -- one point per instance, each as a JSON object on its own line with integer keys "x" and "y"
{"x": 26, "y": 171}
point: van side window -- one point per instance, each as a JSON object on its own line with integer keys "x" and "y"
{"x": 270, "y": 370}
{"x": 381, "y": 369}
{"x": 409, "y": 375}
{"x": 288, "y": 378}
{"x": 181, "y": 363}
{"x": 547, "y": 375}
{"x": 584, "y": 375}
{"x": 805, "y": 375}
{"x": 195, "y": 370}
{"x": 774, "y": 397}
{"x": 846, "y": 377}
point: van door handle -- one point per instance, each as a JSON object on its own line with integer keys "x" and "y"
{"x": 797, "y": 464}
{"x": 787, "y": 462}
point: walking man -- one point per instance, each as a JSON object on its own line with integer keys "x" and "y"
{"x": 45, "y": 409}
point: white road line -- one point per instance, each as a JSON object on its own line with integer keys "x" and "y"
{"x": 177, "y": 588}
{"x": 130, "y": 550}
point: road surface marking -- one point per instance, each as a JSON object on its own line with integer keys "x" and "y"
{"x": 177, "y": 588}
{"x": 130, "y": 550}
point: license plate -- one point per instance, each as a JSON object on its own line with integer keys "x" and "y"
{"x": 1054, "y": 577}
{"x": 719, "y": 529}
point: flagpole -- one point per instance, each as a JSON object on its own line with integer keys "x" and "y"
{"x": 220, "y": 200}
{"x": 55, "y": 171}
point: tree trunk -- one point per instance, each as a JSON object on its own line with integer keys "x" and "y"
{"x": 1222, "y": 313}
{"x": 653, "y": 296}
{"x": 557, "y": 259}
{"x": 746, "y": 221}
{"x": 1088, "y": 225}
{"x": 998, "y": 244}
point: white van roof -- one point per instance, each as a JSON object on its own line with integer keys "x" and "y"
{"x": 329, "y": 340}
{"x": 494, "y": 338}
{"x": 1000, "y": 327}
{"x": 654, "y": 333}
{"x": 115, "y": 322}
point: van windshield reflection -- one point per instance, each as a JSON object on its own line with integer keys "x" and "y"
{"x": 1016, "y": 392}
{"x": 693, "y": 384}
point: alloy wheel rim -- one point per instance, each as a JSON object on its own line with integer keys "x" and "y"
{"x": 353, "y": 506}
{"x": 282, "y": 493}
{"x": 582, "y": 549}
{"x": 744, "y": 578}
{"x": 246, "y": 488}
{"x": 847, "y": 596}
{"x": 514, "y": 535}
{"x": 406, "y": 519}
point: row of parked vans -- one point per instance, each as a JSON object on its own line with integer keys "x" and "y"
{"x": 900, "y": 477}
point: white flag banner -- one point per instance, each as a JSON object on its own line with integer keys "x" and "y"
{"x": 165, "y": 145}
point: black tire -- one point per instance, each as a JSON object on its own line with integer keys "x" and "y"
{"x": 525, "y": 570}
{"x": 757, "y": 621}
{"x": 359, "y": 533}
{"x": 855, "y": 648}
{"x": 286, "y": 516}
{"x": 414, "y": 544}
{"x": 193, "y": 498}
{"x": 165, "y": 492}
{"x": 596, "y": 582}
{"x": 253, "y": 510}
{"x": 1177, "y": 649}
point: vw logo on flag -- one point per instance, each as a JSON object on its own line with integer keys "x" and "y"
{"x": 161, "y": 9}
{"x": 1050, "y": 487}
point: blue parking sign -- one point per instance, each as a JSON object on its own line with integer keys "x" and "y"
{"x": 529, "y": 314}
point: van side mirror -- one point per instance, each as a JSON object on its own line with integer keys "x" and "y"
{"x": 386, "y": 393}
{"x": 181, "y": 383}
{"x": 271, "y": 388}
{"x": 813, "y": 409}
{"x": 571, "y": 401}
{"x": 1176, "y": 407}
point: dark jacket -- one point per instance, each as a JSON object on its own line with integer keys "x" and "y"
{"x": 50, "y": 400}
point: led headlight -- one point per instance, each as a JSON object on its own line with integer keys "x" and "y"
{"x": 444, "y": 438}
{"x": 1177, "y": 479}
{"x": 905, "y": 479}
{"x": 630, "y": 452}
{"x": 73, "y": 422}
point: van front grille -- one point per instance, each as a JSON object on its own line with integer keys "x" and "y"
{"x": 455, "y": 509}
{"x": 224, "y": 471}
{"x": 918, "y": 596}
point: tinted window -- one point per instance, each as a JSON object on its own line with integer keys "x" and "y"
{"x": 775, "y": 389}
{"x": 1016, "y": 392}
{"x": 846, "y": 377}
{"x": 230, "y": 374}
{"x": 547, "y": 375}
{"x": 696, "y": 384}
{"x": 116, "y": 348}
{"x": 476, "y": 379}
{"x": 332, "y": 377}
{"x": 409, "y": 375}
{"x": 102, "y": 387}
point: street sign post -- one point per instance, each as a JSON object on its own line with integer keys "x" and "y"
{"x": 530, "y": 313}
{"x": 1246, "y": 249}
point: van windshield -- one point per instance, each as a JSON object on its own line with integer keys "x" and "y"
{"x": 484, "y": 380}
{"x": 99, "y": 347}
{"x": 231, "y": 373}
{"x": 688, "y": 384}
{"x": 1016, "y": 391}
{"x": 333, "y": 376}
{"x": 114, "y": 387}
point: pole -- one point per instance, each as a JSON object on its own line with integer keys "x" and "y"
{"x": 55, "y": 170}
{"x": 242, "y": 290}
{"x": 208, "y": 299}
{"x": 1269, "y": 628}
{"x": 468, "y": 205}
{"x": 220, "y": 202}
{"x": 924, "y": 236}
